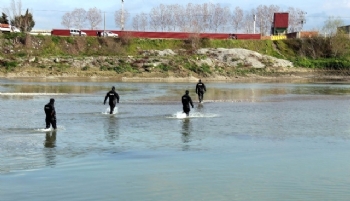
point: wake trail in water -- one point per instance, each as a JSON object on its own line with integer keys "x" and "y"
{"x": 59, "y": 128}
{"x": 230, "y": 101}
{"x": 107, "y": 111}
{"x": 182, "y": 115}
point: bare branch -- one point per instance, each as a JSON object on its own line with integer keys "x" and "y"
{"x": 237, "y": 18}
{"x": 94, "y": 18}
{"x": 79, "y": 17}
{"x": 118, "y": 17}
{"x": 67, "y": 20}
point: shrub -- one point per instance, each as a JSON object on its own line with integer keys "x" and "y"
{"x": 9, "y": 65}
{"x": 163, "y": 67}
{"x": 55, "y": 39}
{"x": 70, "y": 40}
{"x": 85, "y": 68}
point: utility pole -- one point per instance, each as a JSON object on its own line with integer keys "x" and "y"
{"x": 122, "y": 17}
{"x": 104, "y": 22}
{"x": 254, "y": 22}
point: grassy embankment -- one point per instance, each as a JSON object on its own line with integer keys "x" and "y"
{"x": 329, "y": 54}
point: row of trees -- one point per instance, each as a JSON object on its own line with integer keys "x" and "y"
{"x": 14, "y": 16}
{"x": 80, "y": 18}
{"x": 209, "y": 17}
{"x": 206, "y": 17}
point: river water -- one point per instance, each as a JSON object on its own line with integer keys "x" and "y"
{"x": 247, "y": 141}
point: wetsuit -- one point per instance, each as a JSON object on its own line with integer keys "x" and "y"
{"x": 186, "y": 102}
{"x": 50, "y": 115}
{"x": 113, "y": 99}
{"x": 200, "y": 89}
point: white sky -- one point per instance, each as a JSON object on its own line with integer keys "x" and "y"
{"x": 48, "y": 13}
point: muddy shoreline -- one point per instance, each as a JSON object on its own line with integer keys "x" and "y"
{"x": 101, "y": 76}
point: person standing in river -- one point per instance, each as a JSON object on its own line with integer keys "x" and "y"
{"x": 50, "y": 113}
{"x": 113, "y": 99}
{"x": 200, "y": 89}
{"x": 186, "y": 102}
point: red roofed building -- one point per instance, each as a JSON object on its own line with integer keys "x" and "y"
{"x": 280, "y": 23}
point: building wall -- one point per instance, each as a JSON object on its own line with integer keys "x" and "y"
{"x": 281, "y": 20}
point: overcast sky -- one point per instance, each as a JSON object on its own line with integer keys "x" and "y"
{"x": 48, "y": 13}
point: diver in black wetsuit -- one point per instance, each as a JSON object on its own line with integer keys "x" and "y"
{"x": 113, "y": 99}
{"x": 200, "y": 89}
{"x": 186, "y": 101}
{"x": 50, "y": 114}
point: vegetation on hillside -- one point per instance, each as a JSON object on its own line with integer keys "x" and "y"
{"x": 332, "y": 53}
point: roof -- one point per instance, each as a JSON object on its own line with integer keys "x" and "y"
{"x": 280, "y": 20}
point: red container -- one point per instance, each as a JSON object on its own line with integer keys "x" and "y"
{"x": 60, "y": 32}
{"x": 280, "y": 20}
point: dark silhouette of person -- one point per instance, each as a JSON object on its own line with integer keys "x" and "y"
{"x": 200, "y": 89}
{"x": 50, "y": 139}
{"x": 186, "y": 102}
{"x": 113, "y": 99}
{"x": 50, "y": 114}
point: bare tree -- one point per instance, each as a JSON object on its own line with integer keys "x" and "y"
{"x": 79, "y": 17}
{"x": 94, "y": 18}
{"x": 136, "y": 22}
{"x": 237, "y": 18}
{"x": 296, "y": 19}
{"x": 143, "y": 21}
{"x": 201, "y": 17}
{"x": 206, "y": 17}
{"x": 248, "y": 21}
{"x": 14, "y": 10}
{"x": 67, "y": 20}
{"x": 331, "y": 24}
{"x": 120, "y": 17}
{"x": 180, "y": 17}
{"x": 219, "y": 17}
{"x": 197, "y": 22}
{"x": 262, "y": 14}
{"x": 170, "y": 19}
{"x": 159, "y": 17}
{"x": 155, "y": 19}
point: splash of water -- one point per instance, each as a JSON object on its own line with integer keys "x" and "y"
{"x": 107, "y": 111}
{"x": 50, "y": 129}
{"x": 182, "y": 115}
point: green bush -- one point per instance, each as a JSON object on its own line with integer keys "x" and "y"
{"x": 9, "y": 65}
{"x": 55, "y": 39}
{"x": 205, "y": 42}
{"x": 21, "y": 54}
{"x": 69, "y": 40}
{"x": 13, "y": 35}
{"x": 334, "y": 64}
{"x": 163, "y": 67}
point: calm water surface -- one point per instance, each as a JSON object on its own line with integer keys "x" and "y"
{"x": 248, "y": 141}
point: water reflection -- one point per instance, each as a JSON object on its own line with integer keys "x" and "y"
{"x": 50, "y": 143}
{"x": 50, "y": 139}
{"x": 199, "y": 107}
{"x": 52, "y": 88}
{"x": 186, "y": 131}
{"x": 112, "y": 129}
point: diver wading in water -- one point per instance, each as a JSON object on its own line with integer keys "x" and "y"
{"x": 113, "y": 99}
{"x": 200, "y": 89}
{"x": 186, "y": 102}
{"x": 50, "y": 113}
